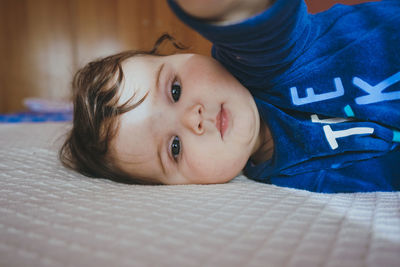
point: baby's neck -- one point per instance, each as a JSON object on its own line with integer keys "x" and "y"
{"x": 265, "y": 147}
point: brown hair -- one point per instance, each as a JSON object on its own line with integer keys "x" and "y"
{"x": 95, "y": 123}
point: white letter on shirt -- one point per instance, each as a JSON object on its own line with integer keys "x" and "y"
{"x": 331, "y": 136}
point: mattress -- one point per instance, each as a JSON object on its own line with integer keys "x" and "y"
{"x": 51, "y": 216}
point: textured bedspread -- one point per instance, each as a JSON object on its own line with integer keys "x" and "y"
{"x": 50, "y": 216}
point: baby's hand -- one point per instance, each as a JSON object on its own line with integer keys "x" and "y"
{"x": 223, "y": 11}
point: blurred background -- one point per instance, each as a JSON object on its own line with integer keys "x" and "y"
{"x": 44, "y": 42}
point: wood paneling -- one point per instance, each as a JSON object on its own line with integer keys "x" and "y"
{"x": 37, "y": 51}
{"x": 43, "y": 42}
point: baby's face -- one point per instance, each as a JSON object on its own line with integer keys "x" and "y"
{"x": 197, "y": 124}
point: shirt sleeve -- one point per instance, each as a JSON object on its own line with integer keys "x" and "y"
{"x": 374, "y": 174}
{"x": 260, "y": 47}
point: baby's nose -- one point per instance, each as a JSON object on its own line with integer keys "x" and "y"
{"x": 193, "y": 119}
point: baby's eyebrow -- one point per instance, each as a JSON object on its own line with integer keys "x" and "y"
{"x": 160, "y": 161}
{"x": 158, "y": 75}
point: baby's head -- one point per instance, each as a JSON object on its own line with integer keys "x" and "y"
{"x": 145, "y": 118}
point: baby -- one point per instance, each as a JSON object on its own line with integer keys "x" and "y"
{"x": 293, "y": 99}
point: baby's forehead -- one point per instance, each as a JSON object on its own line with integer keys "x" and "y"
{"x": 141, "y": 167}
{"x": 137, "y": 77}
{"x": 134, "y": 150}
{"x": 133, "y": 145}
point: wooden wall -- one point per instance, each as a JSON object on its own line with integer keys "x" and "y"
{"x": 43, "y": 42}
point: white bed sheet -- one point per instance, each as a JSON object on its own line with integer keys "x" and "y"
{"x": 50, "y": 216}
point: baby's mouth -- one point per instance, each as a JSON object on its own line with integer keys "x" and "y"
{"x": 222, "y": 121}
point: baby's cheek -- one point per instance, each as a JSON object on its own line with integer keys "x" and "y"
{"x": 215, "y": 168}
{"x": 205, "y": 71}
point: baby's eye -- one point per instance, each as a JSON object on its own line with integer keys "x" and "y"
{"x": 176, "y": 91}
{"x": 175, "y": 147}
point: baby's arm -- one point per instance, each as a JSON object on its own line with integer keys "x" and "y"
{"x": 254, "y": 45}
{"x": 223, "y": 11}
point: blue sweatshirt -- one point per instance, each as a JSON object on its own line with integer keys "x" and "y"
{"x": 327, "y": 86}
